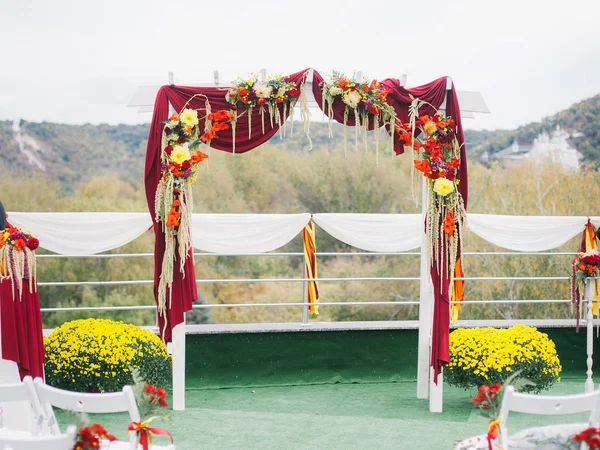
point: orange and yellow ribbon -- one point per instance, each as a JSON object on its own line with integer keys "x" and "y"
{"x": 588, "y": 242}
{"x": 144, "y": 432}
{"x": 458, "y": 290}
{"x": 310, "y": 262}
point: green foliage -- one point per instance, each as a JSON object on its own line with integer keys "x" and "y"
{"x": 95, "y": 355}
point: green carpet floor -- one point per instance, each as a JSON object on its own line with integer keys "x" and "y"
{"x": 325, "y": 390}
{"x": 330, "y": 416}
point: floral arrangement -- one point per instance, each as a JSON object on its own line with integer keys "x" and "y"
{"x": 487, "y": 396}
{"x": 180, "y": 161}
{"x": 17, "y": 257}
{"x": 437, "y": 155}
{"x": 90, "y": 437}
{"x": 591, "y": 436}
{"x": 481, "y": 356}
{"x": 149, "y": 399}
{"x": 95, "y": 355}
{"x": 365, "y": 100}
{"x": 275, "y": 96}
{"x": 585, "y": 266}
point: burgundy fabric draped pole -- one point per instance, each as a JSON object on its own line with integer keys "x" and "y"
{"x": 21, "y": 325}
{"x": 399, "y": 98}
{"x": 184, "y": 284}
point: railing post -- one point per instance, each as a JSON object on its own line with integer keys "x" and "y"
{"x": 305, "y": 308}
{"x": 425, "y": 309}
{"x": 588, "y": 298}
{"x": 178, "y": 338}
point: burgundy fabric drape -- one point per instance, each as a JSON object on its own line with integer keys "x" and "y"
{"x": 398, "y": 97}
{"x": 184, "y": 285}
{"x": 21, "y": 325}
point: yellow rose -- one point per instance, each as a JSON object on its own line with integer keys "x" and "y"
{"x": 189, "y": 117}
{"x": 180, "y": 154}
{"x": 441, "y": 186}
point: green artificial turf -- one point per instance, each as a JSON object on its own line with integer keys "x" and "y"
{"x": 328, "y": 390}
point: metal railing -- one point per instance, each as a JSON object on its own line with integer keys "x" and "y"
{"x": 304, "y": 303}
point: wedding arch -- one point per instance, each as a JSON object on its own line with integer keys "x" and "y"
{"x": 400, "y": 112}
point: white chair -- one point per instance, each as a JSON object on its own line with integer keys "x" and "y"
{"x": 27, "y": 415}
{"x": 111, "y": 402}
{"x": 547, "y": 405}
{"x": 51, "y": 442}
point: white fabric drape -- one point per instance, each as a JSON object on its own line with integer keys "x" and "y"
{"x": 374, "y": 232}
{"x": 527, "y": 233}
{"x": 245, "y": 233}
{"x": 90, "y": 233}
{"x": 83, "y": 233}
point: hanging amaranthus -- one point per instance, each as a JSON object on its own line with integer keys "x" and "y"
{"x": 17, "y": 258}
{"x": 180, "y": 160}
{"x": 436, "y": 154}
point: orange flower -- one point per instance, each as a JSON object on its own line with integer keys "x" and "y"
{"x": 343, "y": 82}
{"x": 449, "y": 223}
{"x": 173, "y": 218}
{"x": 198, "y": 157}
{"x": 279, "y": 100}
{"x": 423, "y": 166}
{"x": 366, "y": 87}
{"x": 20, "y": 243}
{"x": 188, "y": 129}
{"x": 209, "y": 135}
{"x": 174, "y": 118}
{"x": 176, "y": 203}
{"x": 243, "y": 91}
{"x": 581, "y": 267}
{"x": 221, "y": 116}
{"x": 219, "y": 126}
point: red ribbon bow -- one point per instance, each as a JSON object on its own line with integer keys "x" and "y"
{"x": 145, "y": 432}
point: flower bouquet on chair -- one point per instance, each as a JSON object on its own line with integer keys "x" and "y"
{"x": 150, "y": 400}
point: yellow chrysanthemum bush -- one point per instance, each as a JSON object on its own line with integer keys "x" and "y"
{"x": 488, "y": 355}
{"x": 96, "y": 355}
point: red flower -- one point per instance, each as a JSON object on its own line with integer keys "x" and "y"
{"x": 162, "y": 402}
{"x": 167, "y": 131}
{"x": 33, "y": 243}
{"x": 453, "y": 164}
{"x": 181, "y": 140}
{"x": 374, "y": 109}
{"x": 252, "y": 94}
{"x": 149, "y": 389}
{"x": 186, "y": 164}
{"x": 293, "y": 92}
{"x": 168, "y": 149}
{"x": 243, "y": 91}
{"x": 261, "y": 101}
{"x": 162, "y": 393}
{"x": 450, "y": 175}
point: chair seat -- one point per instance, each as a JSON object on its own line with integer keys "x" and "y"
{"x": 537, "y": 438}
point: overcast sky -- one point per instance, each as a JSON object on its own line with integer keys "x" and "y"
{"x": 81, "y": 61}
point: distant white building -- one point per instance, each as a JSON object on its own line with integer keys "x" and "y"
{"x": 545, "y": 148}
